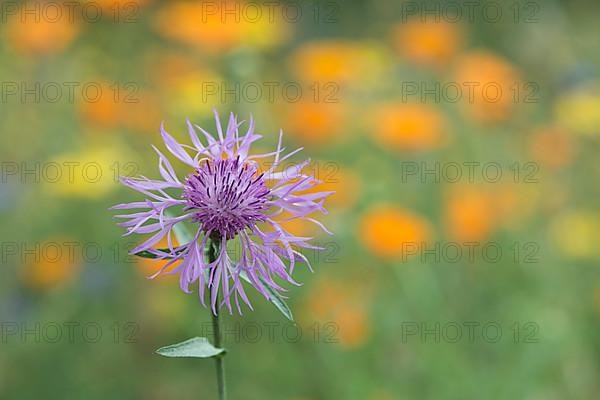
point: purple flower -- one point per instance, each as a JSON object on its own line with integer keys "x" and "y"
{"x": 226, "y": 199}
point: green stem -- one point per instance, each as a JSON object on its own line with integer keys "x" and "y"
{"x": 213, "y": 246}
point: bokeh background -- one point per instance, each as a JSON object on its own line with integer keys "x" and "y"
{"x": 354, "y": 61}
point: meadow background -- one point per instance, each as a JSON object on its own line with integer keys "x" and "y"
{"x": 378, "y": 321}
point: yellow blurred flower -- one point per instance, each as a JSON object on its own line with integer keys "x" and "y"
{"x": 188, "y": 94}
{"x": 552, "y": 147}
{"x": 55, "y": 262}
{"x": 376, "y": 63}
{"x": 39, "y": 35}
{"x": 91, "y": 173}
{"x": 409, "y": 127}
{"x": 577, "y": 233}
{"x": 579, "y": 111}
{"x": 191, "y": 87}
{"x": 162, "y": 303}
{"x": 264, "y": 34}
{"x": 428, "y": 43}
{"x": 386, "y": 229}
{"x": 489, "y": 84}
{"x": 380, "y": 394}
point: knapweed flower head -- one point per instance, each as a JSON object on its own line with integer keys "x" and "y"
{"x": 227, "y": 198}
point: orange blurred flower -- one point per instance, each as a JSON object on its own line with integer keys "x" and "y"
{"x": 120, "y": 10}
{"x": 218, "y": 27}
{"x": 490, "y": 85}
{"x": 295, "y": 226}
{"x": 315, "y": 123}
{"x": 325, "y": 61}
{"x": 470, "y": 213}
{"x": 112, "y": 105}
{"x": 410, "y": 127}
{"x": 100, "y": 106}
{"x": 331, "y": 302}
{"x": 428, "y": 43}
{"x": 142, "y": 113}
{"x": 54, "y": 262}
{"x": 353, "y": 326}
{"x": 183, "y": 21}
{"x": 552, "y": 147}
{"x": 165, "y": 69}
{"x": 386, "y": 229}
{"x": 39, "y": 35}
{"x": 344, "y": 181}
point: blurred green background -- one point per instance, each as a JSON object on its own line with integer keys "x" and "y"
{"x": 87, "y": 89}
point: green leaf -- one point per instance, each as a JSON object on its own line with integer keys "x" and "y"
{"x": 275, "y": 298}
{"x": 182, "y": 234}
{"x": 147, "y": 254}
{"x": 198, "y": 347}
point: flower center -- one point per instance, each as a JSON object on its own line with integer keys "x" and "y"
{"x": 227, "y": 196}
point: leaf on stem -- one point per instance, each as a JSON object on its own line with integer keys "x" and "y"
{"x": 198, "y": 347}
{"x": 147, "y": 254}
{"x": 274, "y": 297}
